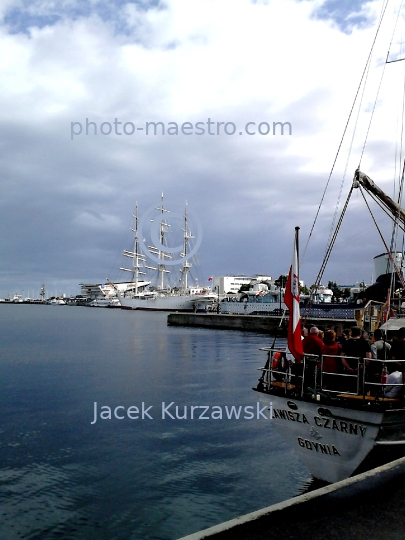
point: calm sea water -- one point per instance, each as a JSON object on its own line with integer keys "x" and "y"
{"x": 152, "y": 479}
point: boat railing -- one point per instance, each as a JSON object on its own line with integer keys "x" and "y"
{"x": 311, "y": 376}
{"x": 342, "y": 380}
{"x": 365, "y": 381}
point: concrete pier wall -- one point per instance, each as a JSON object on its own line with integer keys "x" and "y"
{"x": 366, "y": 506}
{"x": 253, "y": 323}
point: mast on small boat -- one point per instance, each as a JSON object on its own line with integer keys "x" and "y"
{"x": 396, "y": 212}
{"x": 335, "y": 419}
{"x": 361, "y": 179}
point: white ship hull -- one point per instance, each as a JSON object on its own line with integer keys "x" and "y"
{"x": 186, "y": 302}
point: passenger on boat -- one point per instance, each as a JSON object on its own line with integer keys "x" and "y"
{"x": 397, "y": 352}
{"x": 396, "y": 377}
{"x": 312, "y": 344}
{"x": 347, "y": 333}
{"x": 340, "y": 337}
{"x": 356, "y": 347}
{"x": 330, "y": 364}
{"x": 380, "y": 348}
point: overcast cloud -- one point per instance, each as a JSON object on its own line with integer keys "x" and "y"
{"x": 66, "y": 203}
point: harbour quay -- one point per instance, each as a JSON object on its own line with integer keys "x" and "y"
{"x": 266, "y": 324}
{"x": 368, "y": 505}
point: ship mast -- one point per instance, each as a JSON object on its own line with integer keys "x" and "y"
{"x": 42, "y": 293}
{"x": 187, "y": 236}
{"x": 137, "y": 258}
{"x": 163, "y": 228}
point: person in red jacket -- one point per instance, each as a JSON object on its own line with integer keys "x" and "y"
{"x": 312, "y": 344}
{"x": 330, "y": 363}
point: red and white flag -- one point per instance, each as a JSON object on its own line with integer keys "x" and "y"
{"x": 292, "y": 301}
{"x": 210, "y": 278}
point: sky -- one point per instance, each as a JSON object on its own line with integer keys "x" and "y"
{"x": 228, "y": 76}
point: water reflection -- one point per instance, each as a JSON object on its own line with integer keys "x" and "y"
{"x": 152, "y": 479}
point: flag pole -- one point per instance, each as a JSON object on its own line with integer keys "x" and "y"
{"x": 291, "y": 322}
{"x": 292, "y": 301}
{"x": 297, "y": 244}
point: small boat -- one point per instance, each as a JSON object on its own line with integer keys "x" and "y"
{"x": 339, "y": 419}
{"x": 106, "y": 302}
{"x": 56, "y": 302}
{"x": 335, "y": 420}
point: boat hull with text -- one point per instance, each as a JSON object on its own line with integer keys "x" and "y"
{"x": 333, "y": 431}
{"x": 332, "y": 442}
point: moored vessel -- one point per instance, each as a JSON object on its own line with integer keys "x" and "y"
{"x": 332, "y": 431}
{"x": 163, "y": 297}
{"x": 337, "y": 415}
{"x": 335, "y": 419}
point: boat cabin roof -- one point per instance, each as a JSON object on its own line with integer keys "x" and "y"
{"x": 393, "y": 325}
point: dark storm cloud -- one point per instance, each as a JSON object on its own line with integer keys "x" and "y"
{"x": 66, "y": 204}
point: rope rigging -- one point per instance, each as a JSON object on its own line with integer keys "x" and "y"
{"x": 401, "y": 279}
{"x": 327, "y": 255}
{"x": 365, "y": 70}
{"x": 395, "y": 228}
{"x": 398, "y": 223}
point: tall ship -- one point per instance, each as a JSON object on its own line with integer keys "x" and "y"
{"x": 163, "y": 297}
{"x": 338, "y": 411}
